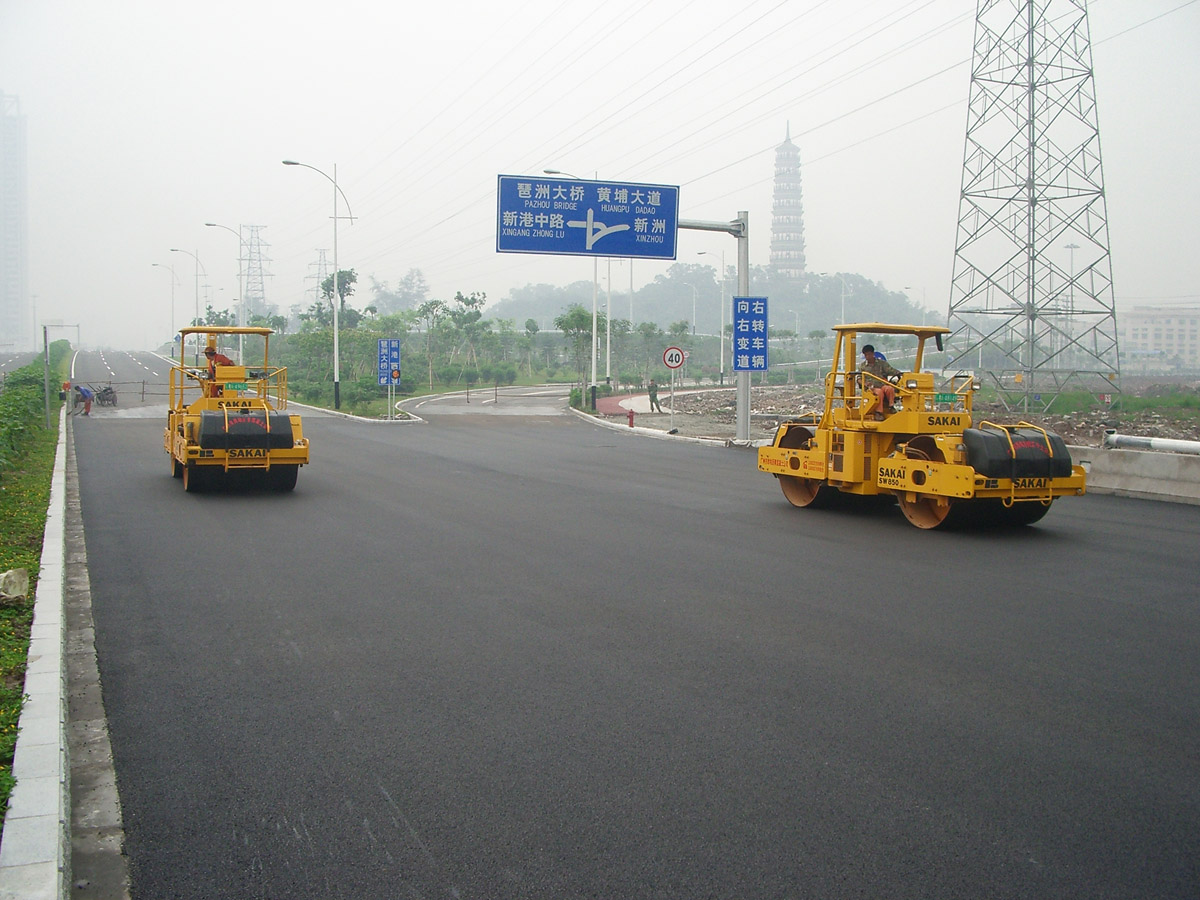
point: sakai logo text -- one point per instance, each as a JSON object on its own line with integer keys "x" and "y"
{"x": 247, "y": 454}
{"x": 1025, "y": 483}
{"x": 891, "y": 475}
{"x": 233, "y": 404}
{"x": 946, "y": 421}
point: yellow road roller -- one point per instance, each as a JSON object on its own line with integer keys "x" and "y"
{"x": 227, "y": 423}
{"x": 890, "y": 430}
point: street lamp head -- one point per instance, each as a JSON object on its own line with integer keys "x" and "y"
{"x": 211, "y": 224}
{"x": 290, "y": 162}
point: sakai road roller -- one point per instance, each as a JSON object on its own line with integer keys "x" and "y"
{"x": 905, "y": 437}
{"x": 227, "y": 424}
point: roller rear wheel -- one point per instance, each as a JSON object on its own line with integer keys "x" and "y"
{"x": 807, "y": 492}
{"x": 925, "y": 511}
{"x": 942, "y": 512}
{"x": 195, "y": 479}
{"x": 282, "y": 478}
{"x": 1020, "y": 513}
{"x": 804, "y": 492}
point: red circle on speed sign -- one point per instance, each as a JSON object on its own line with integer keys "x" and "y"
{"x": 673, "y": 357}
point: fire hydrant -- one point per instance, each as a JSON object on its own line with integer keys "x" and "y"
{"x": 631, "y": 418}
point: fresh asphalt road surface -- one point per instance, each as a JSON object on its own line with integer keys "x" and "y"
{"x": 503, "y": 657}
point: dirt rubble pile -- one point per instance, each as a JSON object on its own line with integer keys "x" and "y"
{"x": 713, "y": 413}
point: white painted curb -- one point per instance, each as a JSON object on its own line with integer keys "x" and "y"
{"x": 35, "y": 849}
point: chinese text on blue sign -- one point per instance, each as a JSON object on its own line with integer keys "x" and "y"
{"x": 548, "y": 214}
{"x": 749, "y": 334}
{"x": 389, "y": 360}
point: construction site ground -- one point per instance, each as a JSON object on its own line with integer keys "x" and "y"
{"x": 710, "y": 412}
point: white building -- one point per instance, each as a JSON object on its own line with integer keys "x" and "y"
{"x": 1160, "y": 338}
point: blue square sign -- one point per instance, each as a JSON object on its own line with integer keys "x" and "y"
{"x": 389, "y": 360}
{"x": 750, "y": 334}
{"x": 573, "y": 217}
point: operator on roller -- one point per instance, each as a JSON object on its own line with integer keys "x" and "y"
{"x": 212, "y": 389}
{"x": 883, "y": 370}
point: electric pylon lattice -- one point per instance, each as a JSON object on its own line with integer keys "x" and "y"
{"x": 1031, "y": 301}
{"x": 256, "y": 260}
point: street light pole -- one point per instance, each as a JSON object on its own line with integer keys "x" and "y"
{"x": 171, "y": 268}
{"x": 844, "y": 292}
{"x": 337, "y": 377}
{"x": 608, "y": 329}
{"x": 595, "y": 286}
{"x": 198, "y": 267}
{"x": 241, "y": 297}
{"x": 46, "y": 361}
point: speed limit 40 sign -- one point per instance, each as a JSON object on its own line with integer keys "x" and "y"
{"x": 673, "y": 357}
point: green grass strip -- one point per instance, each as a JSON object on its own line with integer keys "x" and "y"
{"x": 26, "y": 469}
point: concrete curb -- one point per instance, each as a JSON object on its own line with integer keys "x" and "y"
{"x": 648, "y": 432}
{"x": 337, "y": 412}
{"x": 35, "y": 849}
{"x": 1144, "y": 474}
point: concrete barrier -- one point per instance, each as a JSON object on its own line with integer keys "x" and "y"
{"x": 1147, "y": 474}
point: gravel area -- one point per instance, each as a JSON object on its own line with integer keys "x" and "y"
{"x": 712, "y": 413}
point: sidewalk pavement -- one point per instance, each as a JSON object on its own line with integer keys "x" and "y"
{"x": 620, "y": 404}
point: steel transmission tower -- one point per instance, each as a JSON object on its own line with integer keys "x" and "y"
{"x": 1031, "y": 302}
{"x": 322, "y": 272}
{"x": 255, "y": 286}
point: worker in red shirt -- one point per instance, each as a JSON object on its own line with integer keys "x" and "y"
{"x": 215, "y": 359}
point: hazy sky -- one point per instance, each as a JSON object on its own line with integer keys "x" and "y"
{"x": 148, "y": 119}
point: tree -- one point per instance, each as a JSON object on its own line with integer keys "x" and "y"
{"x": 431, "y": 313}
{"x": 466, "y": 318}
{"x": 317, "y": 316}
{"x": 218, "y": 318}
{"x": 576, "y": 326}
{"x": 346, "y": 279}
{"x": 652, "y": 344}
{"x": 412, "y": 290}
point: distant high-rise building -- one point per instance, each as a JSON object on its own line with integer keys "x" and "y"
{"x": 16, "y": 321}
{"x": 787, "y": 212}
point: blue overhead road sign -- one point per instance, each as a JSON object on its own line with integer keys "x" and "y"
{"x": 550, "y": 214}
